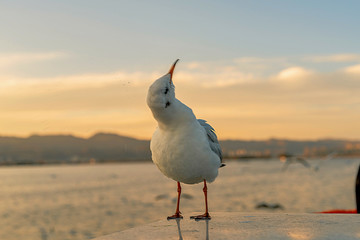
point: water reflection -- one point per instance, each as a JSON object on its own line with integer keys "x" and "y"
{"x": 299, "y": 235}
{"x": 179, "y": 228}
{"x": 207, "y": 229}
{"x": 178, "y": 220}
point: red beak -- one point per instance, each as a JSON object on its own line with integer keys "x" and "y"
{"x": 171, "y": 71}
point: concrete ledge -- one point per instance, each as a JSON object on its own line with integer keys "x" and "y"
{"x": 249, "y": 226}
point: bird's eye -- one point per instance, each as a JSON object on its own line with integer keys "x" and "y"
{"x": 166, "y": 90}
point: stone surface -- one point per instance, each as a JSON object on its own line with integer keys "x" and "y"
{"x": 249, "y": 226}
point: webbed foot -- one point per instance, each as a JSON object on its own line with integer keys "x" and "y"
{"x": 175, "y": 216}
{"x": 204, "y": 216}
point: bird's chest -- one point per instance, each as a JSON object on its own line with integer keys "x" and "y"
{"x": 175, "y": 145}
{"x": 178, "y": 151}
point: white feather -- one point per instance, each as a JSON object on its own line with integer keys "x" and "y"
{"x": 183, "y": 148}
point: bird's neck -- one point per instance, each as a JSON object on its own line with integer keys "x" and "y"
{"x": 173, "y": 117}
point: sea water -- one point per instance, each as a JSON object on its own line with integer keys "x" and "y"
{"x": 85, "y": 201}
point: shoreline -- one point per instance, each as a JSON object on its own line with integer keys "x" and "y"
{"x": 138, "y": 161}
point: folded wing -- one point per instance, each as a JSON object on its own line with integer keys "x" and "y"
{"x": 213, "y": 140}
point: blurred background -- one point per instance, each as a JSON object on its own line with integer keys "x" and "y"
{"x": 273, "y": 78}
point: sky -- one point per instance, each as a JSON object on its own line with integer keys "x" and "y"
{"x": 253, "y": 69}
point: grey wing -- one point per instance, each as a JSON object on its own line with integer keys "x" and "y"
{"x": 285, "y": 165}
{"x": 213, "y": 140}
{"x": 303, "y": 162}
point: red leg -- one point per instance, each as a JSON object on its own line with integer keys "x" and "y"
{"x": 206, "y": 214}
{"x": 177, "y": 212}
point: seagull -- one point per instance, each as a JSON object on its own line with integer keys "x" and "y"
{"x": 184, "y": 148}
{"x": 287, "y": 159}
{"x": 327, "y": 158}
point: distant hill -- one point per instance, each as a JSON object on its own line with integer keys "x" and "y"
{"x": 107, "y": 147}
{"x": 101, "y": 147}
{"x": 274, "y": 147}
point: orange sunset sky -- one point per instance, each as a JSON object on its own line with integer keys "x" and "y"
{"x": 253, "y": 70}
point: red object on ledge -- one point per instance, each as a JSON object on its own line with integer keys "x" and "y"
{"x": 351, "y": 211}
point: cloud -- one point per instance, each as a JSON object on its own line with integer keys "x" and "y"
{"x": 231, "y": 72}
{"x": 213, "y": 79}
{"x": 78, "y": 104}
{"x": 212, "y": 74}
{"x": 293, "y": 74}
{"x": 32, "y": 86}
{"x": 345, "y": 57}
{"x": 238, "y": 103}
{"x": 207, "y": 74}
{"x": 249, "y": 60}
{"x": 353, "y": 69}
{"x": 7, "y": 60}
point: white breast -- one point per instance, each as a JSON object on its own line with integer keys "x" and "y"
{"x": 185, "y": 154}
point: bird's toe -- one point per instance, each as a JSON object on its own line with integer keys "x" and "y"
{"x": 175, "y": 216}
{"x": 204, "y": 216}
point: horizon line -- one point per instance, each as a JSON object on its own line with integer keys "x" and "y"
{"x": 143, "y": 139}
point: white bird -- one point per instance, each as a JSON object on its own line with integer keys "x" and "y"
{"x": 184, "y": 148}
{"x": 288, "y": 159}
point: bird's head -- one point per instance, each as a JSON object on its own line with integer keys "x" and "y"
{"x": 161, "y": 94}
